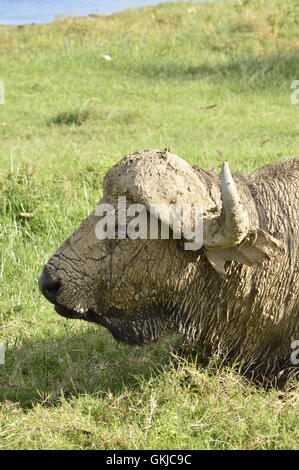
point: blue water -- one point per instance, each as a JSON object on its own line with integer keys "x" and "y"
{"x": 15, "y": 12}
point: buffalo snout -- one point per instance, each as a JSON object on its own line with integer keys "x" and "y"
{"x": 48, "y": 286}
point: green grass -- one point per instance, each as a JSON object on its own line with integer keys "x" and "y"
{"x": 209, "y": 80}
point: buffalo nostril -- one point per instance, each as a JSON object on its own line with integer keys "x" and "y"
{"x": 48, "y": 286}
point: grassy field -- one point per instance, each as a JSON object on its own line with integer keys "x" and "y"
{"x": 210, "y": 80}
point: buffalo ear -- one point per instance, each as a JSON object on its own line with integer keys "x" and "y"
{"x": 257, "y": 247}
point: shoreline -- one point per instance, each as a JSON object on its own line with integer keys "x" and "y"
{"x": 63, "y": 17}
{"x": 66, "y": 17}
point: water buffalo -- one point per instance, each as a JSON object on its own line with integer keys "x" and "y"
{"x": 235, "y": 296}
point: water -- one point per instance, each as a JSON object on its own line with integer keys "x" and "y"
{"x": 13, "y": 12}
